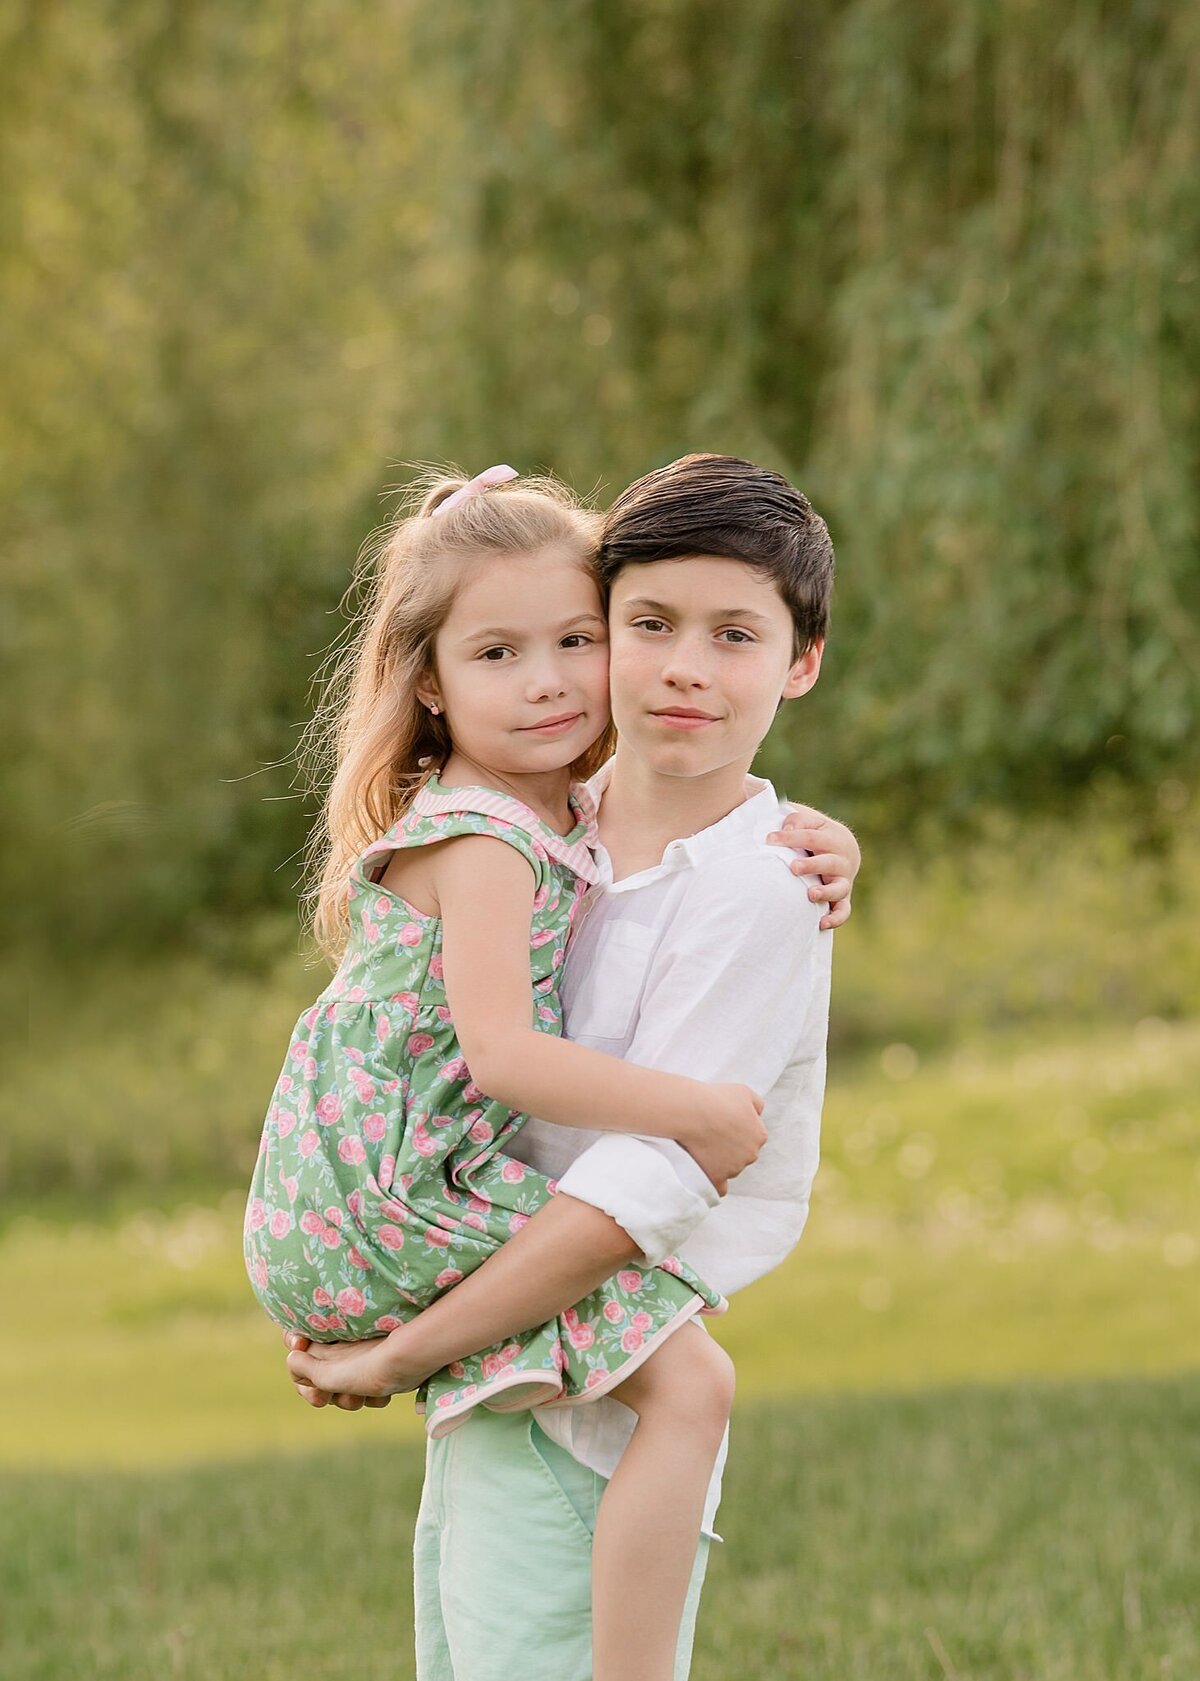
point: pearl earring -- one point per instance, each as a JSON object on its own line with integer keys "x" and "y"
{"x": 435, "y": 709}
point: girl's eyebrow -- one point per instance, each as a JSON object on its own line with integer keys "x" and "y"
{"x": 503, "y": 633}
{"x": 643, "y": 604}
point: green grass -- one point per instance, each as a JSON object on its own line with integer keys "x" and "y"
{"x": 1010, "y": 1186}
{"x": 1012, "y": 1208}
{"x": 146, "y": 1080}
{"x": 152, "y": 1078}
{"x": 1044, "y": 927}
{"x": 983, "y": 1216}
{"x": 141, "y": 1345}
{"x": 1017, "y": 1533}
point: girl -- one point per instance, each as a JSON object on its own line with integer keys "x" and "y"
{"x": 382, "y": 1179}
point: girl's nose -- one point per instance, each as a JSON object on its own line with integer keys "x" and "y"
{"x": 545, "y": 682}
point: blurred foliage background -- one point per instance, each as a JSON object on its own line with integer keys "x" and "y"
{"x": 940, "y": 264}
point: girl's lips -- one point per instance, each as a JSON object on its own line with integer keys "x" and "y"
{"x": 554, "y": 726}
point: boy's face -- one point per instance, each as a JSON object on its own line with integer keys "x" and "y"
{"x": 702, "y": 652}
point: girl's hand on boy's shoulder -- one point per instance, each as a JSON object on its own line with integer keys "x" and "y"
{"x": 835, "y": 858}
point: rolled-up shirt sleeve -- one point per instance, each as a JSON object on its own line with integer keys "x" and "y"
{"x": 729, "y": 997}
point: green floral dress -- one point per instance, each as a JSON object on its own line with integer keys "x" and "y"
{"x": 381, "y": 1178}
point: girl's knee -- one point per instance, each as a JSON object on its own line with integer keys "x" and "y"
{"x": 703, "y": 1399}
{"x": 691, "y": 1378}
{"x": 718, "y": 1375}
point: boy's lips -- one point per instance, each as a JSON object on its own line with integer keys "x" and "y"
{"x": 684, "y": 717}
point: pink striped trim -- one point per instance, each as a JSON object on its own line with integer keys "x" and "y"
{"x": 442, "y": 1420}
{"x": 576, "y": 855}
{"x": 688, "y": 1311}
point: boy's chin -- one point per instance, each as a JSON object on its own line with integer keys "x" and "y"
{"x": 687, "y": 757}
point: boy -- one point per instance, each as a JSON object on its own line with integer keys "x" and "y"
{"x": 701, "y": 956}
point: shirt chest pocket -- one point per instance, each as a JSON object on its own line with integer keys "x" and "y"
{"x": 609, "y": 980}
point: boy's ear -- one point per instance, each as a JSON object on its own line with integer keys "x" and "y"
{"x": 804, "y": 672}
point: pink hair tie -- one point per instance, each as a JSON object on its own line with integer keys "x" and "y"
{"x": 487, "y": 480}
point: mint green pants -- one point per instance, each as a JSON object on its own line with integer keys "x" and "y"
{"x": 502, "y": 1558}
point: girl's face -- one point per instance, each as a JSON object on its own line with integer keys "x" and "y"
{"x": 521, "y": 663}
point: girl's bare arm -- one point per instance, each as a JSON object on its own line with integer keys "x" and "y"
{"x": 485, "y": 898}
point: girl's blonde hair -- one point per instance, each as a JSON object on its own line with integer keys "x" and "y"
{"x": 370, "y": 730}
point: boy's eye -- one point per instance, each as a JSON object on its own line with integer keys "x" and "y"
{"x": 741, "y": 635}
{"x": 649, "y": 624}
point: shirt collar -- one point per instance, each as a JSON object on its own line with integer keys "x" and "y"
{"x": 757, "y": 816}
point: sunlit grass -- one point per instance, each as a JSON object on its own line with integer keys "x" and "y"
{"x": 1010, "y": 1180}
{"x": 1006, "y": 1210}
{"x": 140, "y": 1344}
{"x": 1016, "y": 1207}
{"x": 154, "y": 1077}
{"x": 1042, "y": 1531}
{"x": 1008, "y": 1191}
{"x": 1044, "y": 926}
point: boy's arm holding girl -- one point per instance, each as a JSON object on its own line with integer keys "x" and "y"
{"x": 766, "y": 943}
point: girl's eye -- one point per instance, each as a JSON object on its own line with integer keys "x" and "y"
{"x": 488, "y": 653}
{"x": 577, "y": 639}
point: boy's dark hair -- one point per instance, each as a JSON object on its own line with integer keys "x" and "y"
{"x": 721, "y": 505}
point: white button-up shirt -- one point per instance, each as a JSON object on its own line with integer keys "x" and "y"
{"x": 711, "y": 964}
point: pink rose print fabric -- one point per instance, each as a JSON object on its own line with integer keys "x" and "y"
{"x": 381, "y": 1178}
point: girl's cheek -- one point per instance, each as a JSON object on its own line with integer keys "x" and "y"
{"x": 598, "y": 673}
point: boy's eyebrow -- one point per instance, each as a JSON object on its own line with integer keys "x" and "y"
{"x": 644, "y": 604}
{"x": 509, "y": 633}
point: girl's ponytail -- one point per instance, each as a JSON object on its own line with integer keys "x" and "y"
{"x": 437, "y": 494}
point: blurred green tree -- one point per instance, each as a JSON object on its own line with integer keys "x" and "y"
{"x": 937, "y": 263}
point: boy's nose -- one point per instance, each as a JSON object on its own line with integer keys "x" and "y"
{"x": 686, "y": 668}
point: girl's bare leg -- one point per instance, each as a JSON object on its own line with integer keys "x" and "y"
{"x": 648, "y": 1526}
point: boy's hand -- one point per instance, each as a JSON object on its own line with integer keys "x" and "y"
{"x": 728, "y": 1132}
{"x": 836, "y": 858}
{"x": 351, "y": 1375}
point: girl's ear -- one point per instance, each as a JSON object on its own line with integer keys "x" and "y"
{"x": 804, "y": 672}
{"x": 428, "y": 692}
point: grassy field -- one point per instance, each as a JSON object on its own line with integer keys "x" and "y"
{"x": 982, "y": 1215}
{"x": 1013, "y": 1533}
{"x": 966, "y": 1441}
{"x": 151, "y": 1078}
